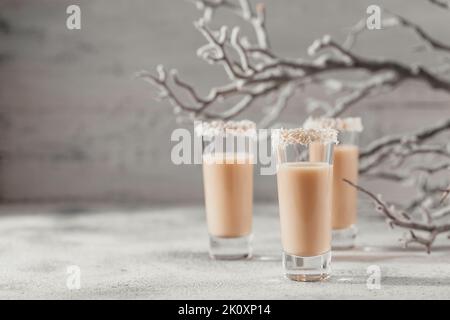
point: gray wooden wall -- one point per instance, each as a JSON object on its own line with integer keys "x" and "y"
{"x": 76, "y": 126}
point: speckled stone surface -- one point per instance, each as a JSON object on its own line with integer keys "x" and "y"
{"x": 136, "y": 253}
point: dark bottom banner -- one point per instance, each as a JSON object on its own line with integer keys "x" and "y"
{"x": 222, "y": 309}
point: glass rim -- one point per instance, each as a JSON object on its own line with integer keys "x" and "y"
{"x": 302, "y": 136}
{"x": 221, "y": 128}
{"x": 348, "y": 124}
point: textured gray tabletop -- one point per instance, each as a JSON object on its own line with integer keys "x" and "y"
{"x": 162, "y": 254}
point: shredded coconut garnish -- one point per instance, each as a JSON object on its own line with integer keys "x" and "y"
{"x": 219, "y": 127}
{"x": 339, "y": 124}
{"x": 303, "y": 136}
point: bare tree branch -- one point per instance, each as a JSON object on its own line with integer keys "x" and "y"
{"x": 404, "y": 220}
{"x": 281, "y": 103}
{"x": 442, "y": 212}
{"x": 255, "y": 18}
{"x": 422, "y": 34}
{"x": 257, "y": 74}
{"x": 396, "y": 20}
{"x": 441, "y": 3}
{"x": 402, "y": 139}
{"x": 258, "y": 71}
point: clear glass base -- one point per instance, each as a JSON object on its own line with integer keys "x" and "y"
{"x": 221, "y": 248}
{"x": 344, "y": 238}
{"x": 315, "y": 268}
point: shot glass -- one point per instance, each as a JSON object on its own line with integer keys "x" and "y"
{"x": 228, "y": 160}
{"x": 345, "y": 166}
{"x": 304, "y": 168}
{"x": 344, "y": 196}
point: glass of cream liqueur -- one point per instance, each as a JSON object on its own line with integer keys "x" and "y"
{"x": 228, "y": 161}
{"x": 304, "y": 173}
{"x": 345, "y": 166}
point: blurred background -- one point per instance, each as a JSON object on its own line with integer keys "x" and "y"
{"x": 76, "y": 126}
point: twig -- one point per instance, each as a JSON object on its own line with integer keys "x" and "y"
{"x": 422, "y": 34}
{"x": 441, "y": 3}
{"x": 442, "y": 212}
{"x": 275, "y": 110}
{"x": 417, "y": 137}
{"x": 395, "y": 218}
{"x": 394, "y": 20}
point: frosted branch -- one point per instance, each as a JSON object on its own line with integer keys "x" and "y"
{"x": 398, "y": 218}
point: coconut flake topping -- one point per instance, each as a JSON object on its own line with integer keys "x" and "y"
{"x": 303, "y": 136}
{"x": 219, "y": 127}
{"x": 339, "y": 124}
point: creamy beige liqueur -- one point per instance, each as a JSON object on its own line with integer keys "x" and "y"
{"x": 305, "y": 213}
{"x": 344, "y": 203}
{"x": 228, "y": 186}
